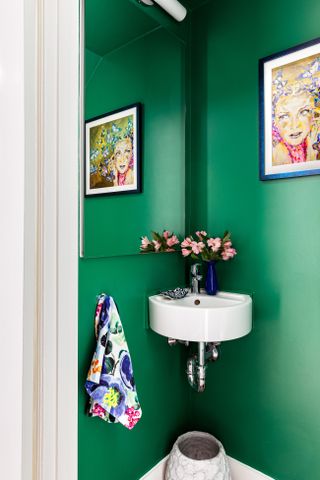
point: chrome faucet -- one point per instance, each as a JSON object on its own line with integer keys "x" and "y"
{"x": 195, "y": 278}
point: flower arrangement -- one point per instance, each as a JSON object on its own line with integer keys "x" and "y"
{"x": 201, "y": 246}
{"x": 167, "y": 242}
{"x": 206, "y": 248}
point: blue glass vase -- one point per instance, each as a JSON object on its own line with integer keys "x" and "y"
{"x": 211, "y": 278}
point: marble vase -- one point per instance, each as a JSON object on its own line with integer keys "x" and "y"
{"x": 197, "y": 456}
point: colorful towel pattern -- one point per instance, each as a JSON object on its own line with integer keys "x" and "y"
{"x": 110, "y": 382}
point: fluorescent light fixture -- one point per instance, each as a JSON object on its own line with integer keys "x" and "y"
{"x": 172, "y": 7}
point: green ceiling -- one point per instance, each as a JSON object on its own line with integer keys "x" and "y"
{"x": 193, "y": 3}
{"x": 112, "y": 23}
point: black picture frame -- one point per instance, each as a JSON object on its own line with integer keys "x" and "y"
{"x": 113, "y": 163}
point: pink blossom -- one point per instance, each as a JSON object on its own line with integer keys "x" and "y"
{"x": 197, "y": 247}
{"x": 98, "y": 309}
{"x": 228, "y": 253}
{"x": 133, "y": 417}
{"x": 227, "y": 244}
{"x": 132, "y": 423}
{"x": 145, "y": 242}
{"x": 185, "y": 252}
{"x": 156, "y": 244}
{"x": 166, "y": 234}
{"x": 214, "y": 243}
{"x": 201, "y": 234}
{"x": 172, "y": 241}
{"x": 186, "y": 242}
{"x": 98, "y": 410}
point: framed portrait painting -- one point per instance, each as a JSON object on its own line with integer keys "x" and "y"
{"x": 113, "y": 152}
{"x": 290, "y": 112}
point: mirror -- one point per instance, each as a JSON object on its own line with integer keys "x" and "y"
{"x": 131, "y": 58}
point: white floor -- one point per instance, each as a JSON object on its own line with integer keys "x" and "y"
{"x": 239, "y": 471}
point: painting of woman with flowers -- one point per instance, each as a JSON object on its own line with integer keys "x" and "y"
{"x": 113, "y": 152}
{"x": 290, "y": 113}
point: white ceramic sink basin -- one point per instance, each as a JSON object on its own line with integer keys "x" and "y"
{"x": 202, "y": 318}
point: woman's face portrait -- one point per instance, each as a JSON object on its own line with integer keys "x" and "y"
{"x": 290, "y": 113}
{"x": 294, "y": 118}
{"x": 123, "y": 155}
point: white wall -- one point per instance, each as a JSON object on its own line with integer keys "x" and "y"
{"x": 11, "y": 238}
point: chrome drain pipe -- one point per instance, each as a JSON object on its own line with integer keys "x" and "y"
{"x": 201, "y": 368}
{"x": 172, "y": 342}
{"x": 191, "y": 372}
{"x": 212, "y": 352}
{"x": 197, "y": 364}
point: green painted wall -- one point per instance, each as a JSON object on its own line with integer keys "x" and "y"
{"x": 112, "y": 451}
{"x": 149, "y": 70}
{"x": 92, "y": 61}
{"x": 263, "y": 396}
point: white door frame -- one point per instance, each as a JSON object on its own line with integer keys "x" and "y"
{"x": 12, "y": 233}
{"x": 52, "y": 109}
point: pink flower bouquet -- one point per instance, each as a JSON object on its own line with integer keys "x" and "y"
{"x": 167, "y": 242}
{"x": 210, "y": 250}
{"x": 207, "y": 248}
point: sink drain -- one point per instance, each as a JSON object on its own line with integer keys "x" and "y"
{"x": 197, "y": 302}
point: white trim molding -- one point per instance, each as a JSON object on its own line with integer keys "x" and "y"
{"x": 68, "y": 141}
{"x": 239, "y": 471}
{"x": 59, "y": 218}
{"x": 51, "y": 239}
{"x": 12, "y": 137}
{"x": 157, "y": 472}
{"x": 30, "y": 371}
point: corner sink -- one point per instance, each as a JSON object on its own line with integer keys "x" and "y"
{"x": 202, "y": 318}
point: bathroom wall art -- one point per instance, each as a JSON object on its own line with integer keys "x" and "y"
{"x": 290, "y": 112}
{"x": 113, "y": 153}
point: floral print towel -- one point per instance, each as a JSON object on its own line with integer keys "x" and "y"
{"x": 110, "y": 381}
